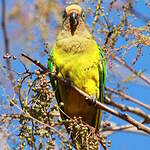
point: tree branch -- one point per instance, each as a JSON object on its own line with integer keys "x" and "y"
{"x": 122, "y": 116}
{"x": 123, "y": 128}
{"x": 140, "y": 75}
{"x": 94, "y": 102}
{"x": 127, "y": 97}
{"x": 6, "y": 40}
{"x": 124, "y": 108}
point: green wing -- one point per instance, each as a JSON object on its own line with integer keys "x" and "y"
{"x": 102, "y": 79}
{"x": 52, "y": 68}
{"x": 102, "y": 73}
{"x": 50, "y": 61}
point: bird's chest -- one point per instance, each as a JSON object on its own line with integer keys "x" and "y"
{"x": 82, "y": 71}
{"x": 77, "y": 60}
{"x": 76, "y": 65}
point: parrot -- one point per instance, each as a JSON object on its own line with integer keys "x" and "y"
{"x": 77, "y": 58}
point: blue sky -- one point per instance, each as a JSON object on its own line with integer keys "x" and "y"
{"x": 136, "y": 88}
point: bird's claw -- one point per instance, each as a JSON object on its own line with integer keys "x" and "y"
{"x": 68, "y": 83}
{"x": 92, "y": 99}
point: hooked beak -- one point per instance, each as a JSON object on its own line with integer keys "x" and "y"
{"x": 73, "y": 21}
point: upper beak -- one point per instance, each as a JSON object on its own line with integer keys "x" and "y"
{"x": 73, "y": 20}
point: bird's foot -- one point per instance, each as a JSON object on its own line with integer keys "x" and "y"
{"x": 68, "y": 83}
{"x": 92, "y": 100}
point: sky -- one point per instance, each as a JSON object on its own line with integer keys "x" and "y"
{"x": 136, "y": 88}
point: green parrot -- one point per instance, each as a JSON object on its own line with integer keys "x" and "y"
{"x": 77, "y": 58}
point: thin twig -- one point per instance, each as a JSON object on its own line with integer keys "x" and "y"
{"x": 140, "y": 75}
{"x": 37, "y": 63}
{"x": 137, "y": 13}
{"x": 14, "y": 116}
{"x": 127, "y": 97}
{"x": 6, "y": 40}
{"x": 122, "y": 128}
{"x": 124, "y": 108}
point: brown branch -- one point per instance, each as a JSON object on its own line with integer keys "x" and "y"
{"x": 140, "y": 75}
{"x": 6, "y": 40}
{"x": 37, "y": 63}
{"x": 122, "y": 128}
{"x": 127, "y": 97}
{"x": 12, "y": 116}
{"x": 96, "y": 103}
{"x": 124, "y": 108}
{"x": 122, "y": 116}
{"x": 45, "y": 70}
{"x": 137, "y": 13}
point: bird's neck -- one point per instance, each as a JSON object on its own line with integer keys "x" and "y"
{"x": 75, "y": 44}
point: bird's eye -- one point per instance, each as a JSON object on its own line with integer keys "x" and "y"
{"x": 83, "y": 15}
{"x": 64, "y": 15}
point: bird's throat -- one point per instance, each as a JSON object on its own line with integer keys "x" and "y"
{"x": 73, "y": 29}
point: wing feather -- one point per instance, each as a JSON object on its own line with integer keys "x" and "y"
{"x": 102, "y": 79}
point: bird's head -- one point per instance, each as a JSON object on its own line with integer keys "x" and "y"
{"x": 73, "y": 18}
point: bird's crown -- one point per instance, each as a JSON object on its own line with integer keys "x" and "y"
{"x": 73, "y": 7}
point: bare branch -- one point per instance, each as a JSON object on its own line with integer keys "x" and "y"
{"x": 6, "y": 40}
{"x": 122, "y": 128}
{"x": 122, "y": 116}
{"x": 127, "y": 97}
{"x": 137, "y": 13}
{"x": 140, "y": 75}
{"x": 124, "y": 108}
{"x": 14, "y": 116}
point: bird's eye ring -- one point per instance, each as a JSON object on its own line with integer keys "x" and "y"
{"x": 64, "y": 14}
{"x": 83, "y": 15}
